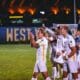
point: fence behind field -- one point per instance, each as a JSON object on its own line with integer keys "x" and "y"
{"x": 20, "y": 34}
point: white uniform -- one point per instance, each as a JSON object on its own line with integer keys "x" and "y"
{"x": 59, "y": 49}
{"x": 40, "y": 65}
{"x": 71, "y": 63}
{"x": 78, "y": 50}
{"x": 52, "y": 49}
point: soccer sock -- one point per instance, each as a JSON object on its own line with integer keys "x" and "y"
{"x": 54, "y": 72}
{"x": 62, "y": 71}
{"x": 34, "y": 78}
{"x": 70, "y": 76}
{"x": 58, "y": 71}
{"x": 58, "y": 74}
{"x": 48, "y": 78}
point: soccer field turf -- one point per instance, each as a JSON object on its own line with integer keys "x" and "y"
{"x": 17, "y": 62}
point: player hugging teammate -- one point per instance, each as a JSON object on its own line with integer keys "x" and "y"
{"x": 65, "y": 52}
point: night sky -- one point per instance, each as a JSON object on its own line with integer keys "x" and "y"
{"x": 40, "y": 5}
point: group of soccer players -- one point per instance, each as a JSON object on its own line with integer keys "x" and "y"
{"x": 64, "y": 49}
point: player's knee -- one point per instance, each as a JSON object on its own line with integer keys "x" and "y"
{"x": 45, "y": 74}
{"x": 65, "y": 74}
{"x": 75, "y": 75}
{"x": 34, "y": 75}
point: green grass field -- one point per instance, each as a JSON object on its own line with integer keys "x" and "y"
{"x": 17, "y": 62}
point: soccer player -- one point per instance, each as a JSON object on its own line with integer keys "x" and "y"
{"x": 69, "y": 46}
{"x": 55, "y": 46}
{"x": 41, "y": 45}
{"x": 58, "y": 60}
{"x": 52, "y": 41}
{"x": 77, "y": 39}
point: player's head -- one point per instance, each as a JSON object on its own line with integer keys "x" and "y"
{"x": 64, "y": 29}
{"x": 41, "y": 33}
{"x": 58, "y": 31}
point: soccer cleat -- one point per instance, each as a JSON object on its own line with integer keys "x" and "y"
{"x": 58, "y": 75}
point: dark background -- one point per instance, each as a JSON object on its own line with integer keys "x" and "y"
{"x": 40, "y": 5}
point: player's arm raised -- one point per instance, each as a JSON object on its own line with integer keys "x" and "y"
{"x": 32, "y": 41}
{"x": 51, "y": 32}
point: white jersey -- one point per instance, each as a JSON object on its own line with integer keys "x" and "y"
{"x": 71, "y": 63}
{"x": 59, "y": 49}
{"x": 42, "y": 50}
{"x": 59, "y": 45}
{"x": 67, "y": 43}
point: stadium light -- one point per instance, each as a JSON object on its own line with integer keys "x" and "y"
{"x": 55, "y": 10}
{"x": 31, "y": 10}
{"x": 21, "y": 10}
{"x": 11, "y": 11}
{"x": 42, "y": 12}
{"x": 78, "y": 11}
{"x": 67, "y": 10}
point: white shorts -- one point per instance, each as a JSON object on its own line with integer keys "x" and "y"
{"x": 40, "y": 67}
{"x": 70, "y": 66}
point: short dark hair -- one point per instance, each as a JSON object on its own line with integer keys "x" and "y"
{"x": 58, "y": 27}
